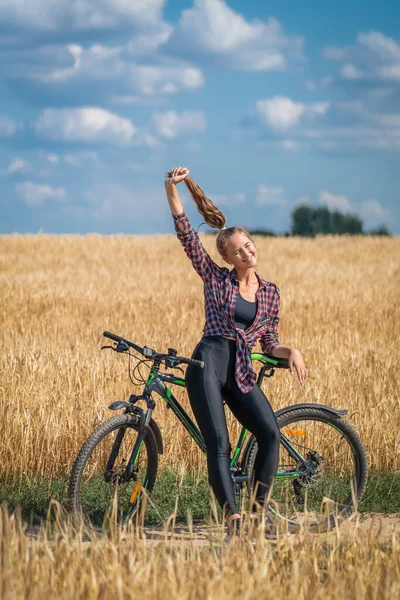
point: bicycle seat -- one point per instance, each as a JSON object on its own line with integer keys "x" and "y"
{"x": 278, "y": 363}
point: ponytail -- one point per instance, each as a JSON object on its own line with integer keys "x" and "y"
{"x": 213, "y": 216}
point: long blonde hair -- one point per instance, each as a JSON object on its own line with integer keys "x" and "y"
{"x": 213, "y": 216}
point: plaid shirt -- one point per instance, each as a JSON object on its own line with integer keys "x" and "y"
{"x": 221, "y": 289}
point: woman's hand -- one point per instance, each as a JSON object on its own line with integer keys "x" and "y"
{"x": 177, "y": 175}
{"x": 296, "y": 362}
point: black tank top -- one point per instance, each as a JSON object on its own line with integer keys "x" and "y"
{"x": 245, "y": 312}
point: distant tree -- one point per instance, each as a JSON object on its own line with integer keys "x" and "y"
{"x": 382, "y": 230}
{"x": 321, "y": 220}
{"x": 265, "y": 232}
{"x": 302, "y": 221}
{"x": 345, "y": 223}
{"x": 309, "y": 221}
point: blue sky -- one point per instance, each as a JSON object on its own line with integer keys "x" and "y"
{"x": 269, "y": 104}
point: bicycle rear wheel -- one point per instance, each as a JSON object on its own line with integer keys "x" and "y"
{"x": 327, "y": 489}
{"x": 97, "y": 490}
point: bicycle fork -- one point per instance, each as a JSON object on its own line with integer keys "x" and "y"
{"x": 144, "y": 420}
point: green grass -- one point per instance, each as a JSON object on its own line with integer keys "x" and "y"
{"x": 193, "y": 492}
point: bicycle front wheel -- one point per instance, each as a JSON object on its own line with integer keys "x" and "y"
{"x": 99, "y": 491}
{"x": 322, "y": 471}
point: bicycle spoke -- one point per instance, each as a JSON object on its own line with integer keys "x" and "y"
{"x": 327, "y": 481}
{"x": 103, "y": 493}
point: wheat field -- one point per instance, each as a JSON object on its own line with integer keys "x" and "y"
{"x": 339, "y": 305}
{"x": 124, "y": 565}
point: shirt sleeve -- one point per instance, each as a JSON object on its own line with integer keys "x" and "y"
{"x": 201, "y": 261}
{"x": 270, "y": 339}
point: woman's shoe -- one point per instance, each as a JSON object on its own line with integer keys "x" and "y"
{"x": 234, "y": 528}
{"x": 255, "y": 519}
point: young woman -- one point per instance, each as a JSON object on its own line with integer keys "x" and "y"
{"x": 240, "y": 308}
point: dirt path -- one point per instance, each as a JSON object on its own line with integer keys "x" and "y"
{"x": 380, "y": 527}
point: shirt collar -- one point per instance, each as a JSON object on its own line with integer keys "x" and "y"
{"x": 232, "y": 274}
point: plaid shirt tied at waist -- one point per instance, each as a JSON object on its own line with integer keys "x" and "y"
{"x": 221, "y": 289}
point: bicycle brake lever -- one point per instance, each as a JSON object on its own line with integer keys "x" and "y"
{"x": 122, "y": 346}
{"x": 105, "y": 347}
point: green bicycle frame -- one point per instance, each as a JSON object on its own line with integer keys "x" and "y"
{"x": 157, "y": 382}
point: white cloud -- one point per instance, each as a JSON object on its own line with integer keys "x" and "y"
{"x": 284, "y": 144}
{"x": 166, "y": 79}
{"x": 114, "y": 72}
{"x": 349, "y": 71}
{"x": 54, "y": 159}
{"x": 334, "y": 53}
{"x": 374, "y": 57}
{"x": 318, "y": 108}
{"x": 291, "y": 125}
{"x": 213, "y": 28}
{"x": 290, "y": 145}
{"x": 279, "y": 112}
{"x": 88, "y": 124}
{"x": 8, "y": 127}
{"x": 148, "y": 42}
{"x": 72, "y": 15}
{"x": 35, "y": 194}
{"x": 383, "y": 46}
{"x": 380, "y": 93}
{"x": 282, "y": 113}
{"x": 273, "y": 196}
{"x": 389, "y": 120}
{"x": 18, "y": 165}
{"x": 335, "y": 202}
{"x": 374, "y": 214}
{"x": 172, "y": 124}
{"x": 58, "y": 75}
{"x": 208, "y": 19}
{"x": 124, "y": 72}
{"x": 389, "y": 72}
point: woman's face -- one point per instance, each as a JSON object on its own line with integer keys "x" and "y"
{"x": 241, "y": 252}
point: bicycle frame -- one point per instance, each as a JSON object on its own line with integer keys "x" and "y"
{"x": 156, "y": 382}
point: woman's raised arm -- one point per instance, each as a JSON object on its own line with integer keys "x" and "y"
{"x": 178, "y": 174}
{"x": 201, "y": 261}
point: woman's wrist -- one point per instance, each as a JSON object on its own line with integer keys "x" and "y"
{"x": 169, "y": 184}
{"x": 293, "y": 350}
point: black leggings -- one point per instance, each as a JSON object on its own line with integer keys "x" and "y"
{"x": 207, "y": 388}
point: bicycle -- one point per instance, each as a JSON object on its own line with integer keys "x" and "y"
{"x": 319, "y": 480}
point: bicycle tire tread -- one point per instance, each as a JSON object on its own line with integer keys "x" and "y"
{"x": 325, "y": 415}
{"x": 89, "y": 445}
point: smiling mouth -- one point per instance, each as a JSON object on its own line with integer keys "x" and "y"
{"x": 248, "y": 259}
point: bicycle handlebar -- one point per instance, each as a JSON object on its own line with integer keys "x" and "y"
{"x": 280, "y": 363}
{"x": 149, "y": 353}
{"x": 112, "y": 336}
{"x": 192, "y": 361}
{"x": 119, "y": 338}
